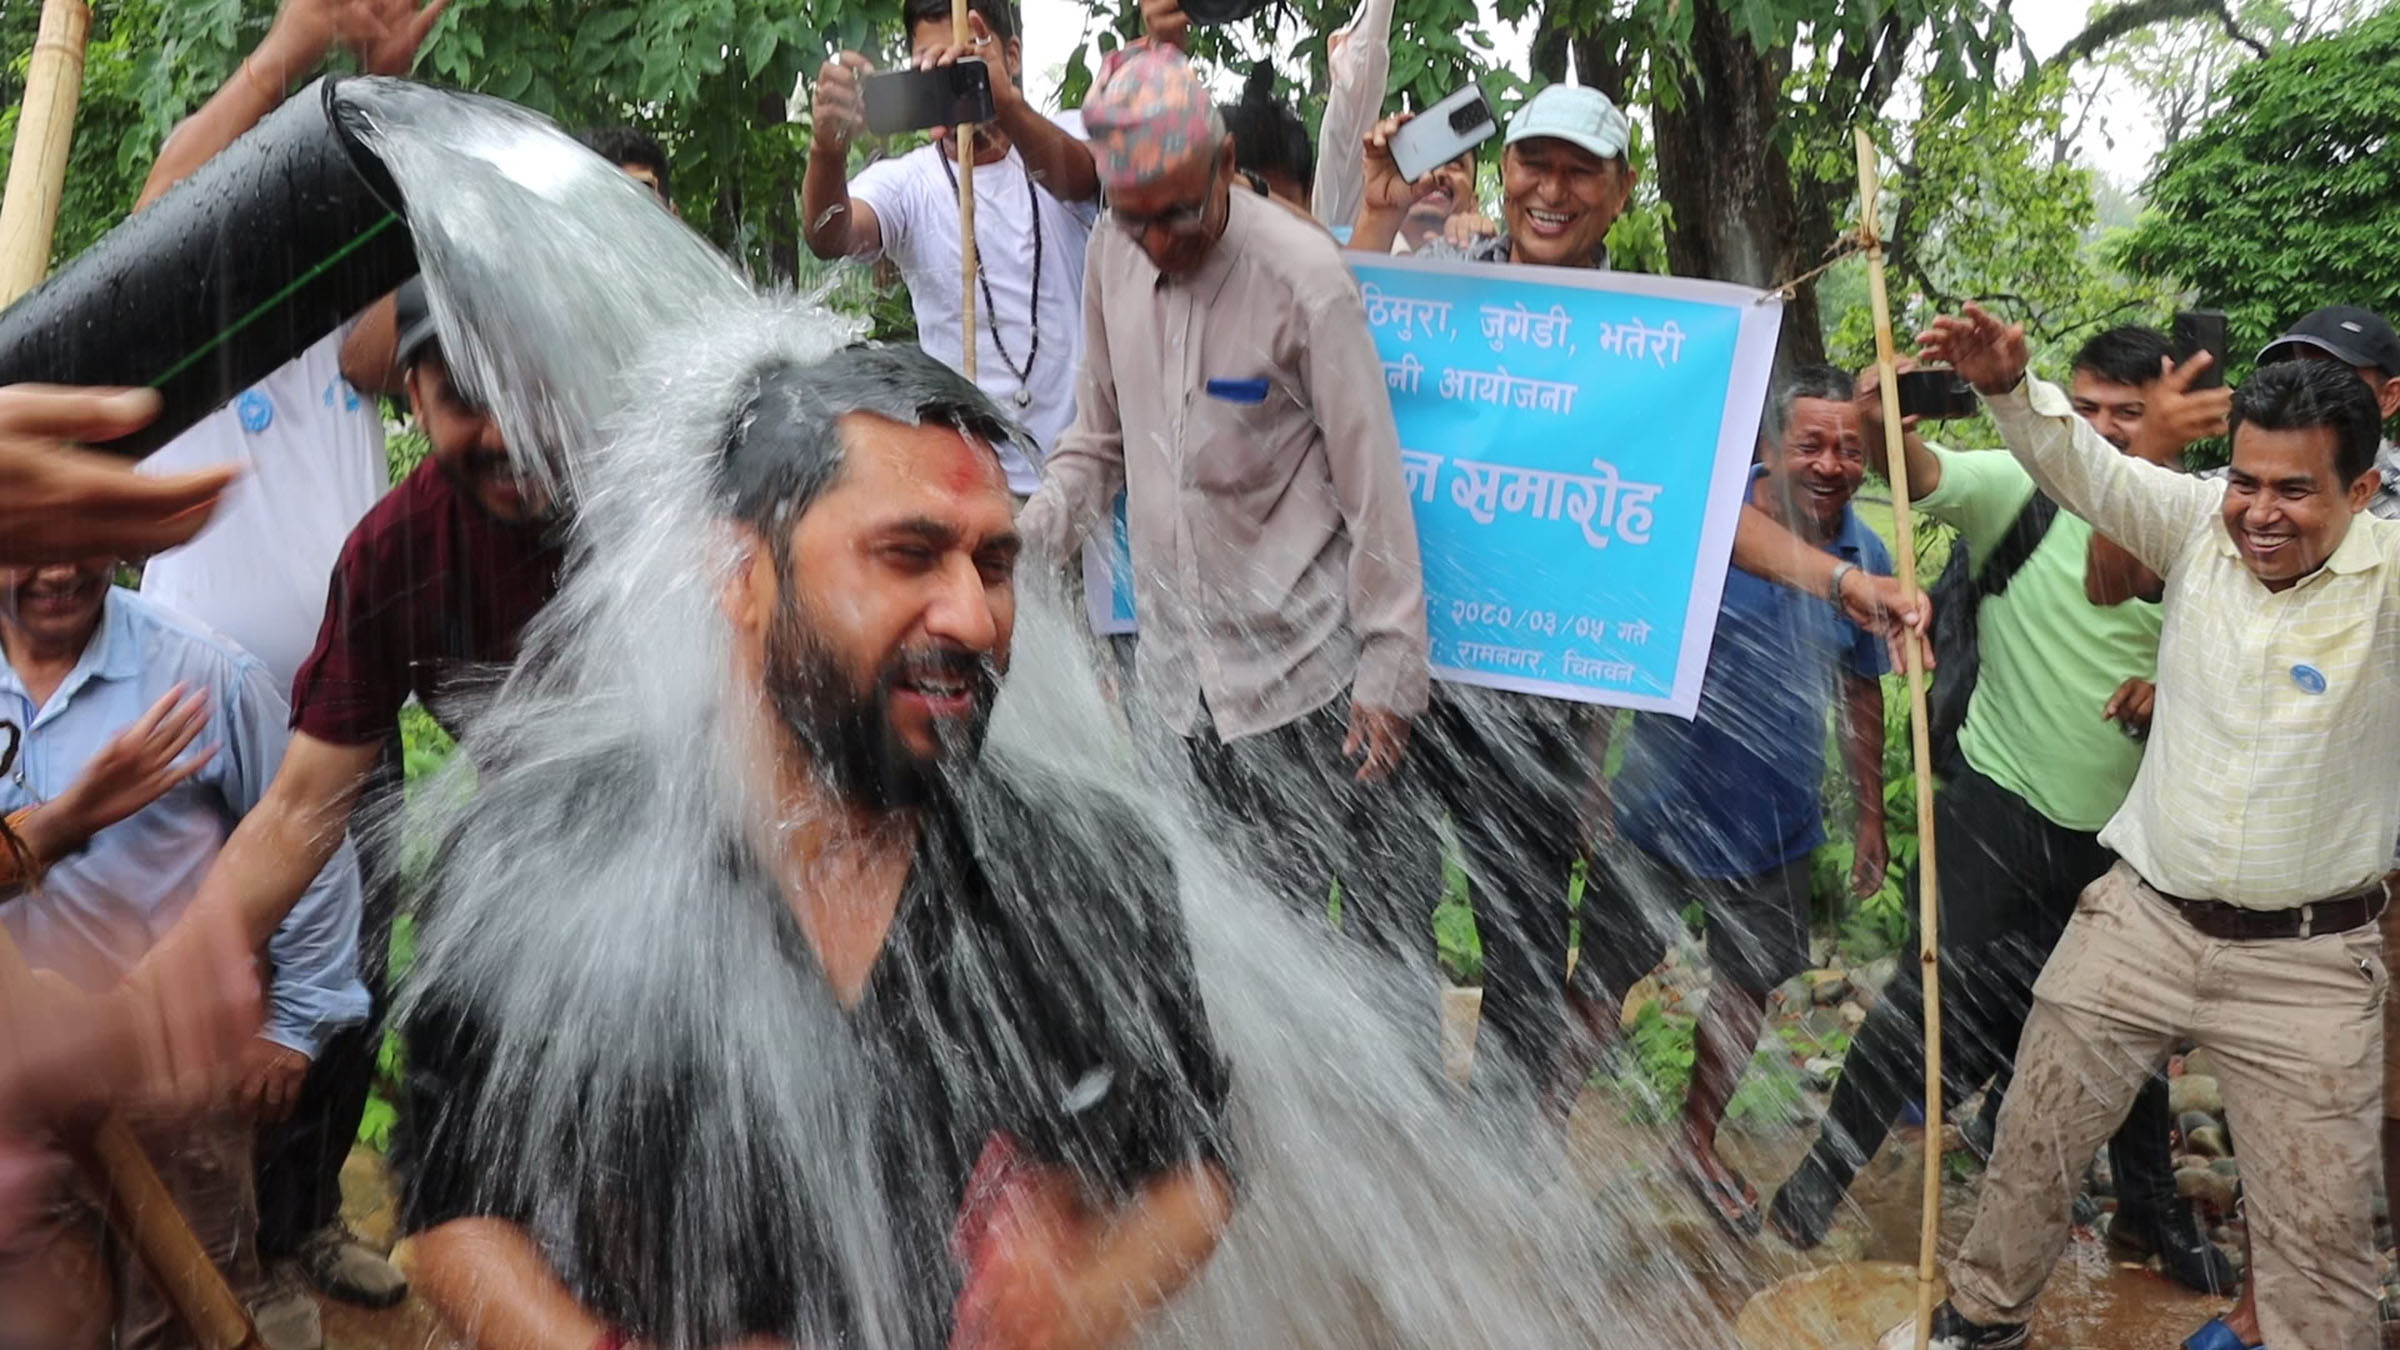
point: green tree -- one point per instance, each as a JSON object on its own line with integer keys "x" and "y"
{"x": 2288, "y": 196}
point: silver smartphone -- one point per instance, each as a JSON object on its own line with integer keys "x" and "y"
{"x": 1442, "y": 133}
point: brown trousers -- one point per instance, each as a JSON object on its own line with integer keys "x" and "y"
{"x": 66, "y": 1284}
{"x": 2295, "y": 1027}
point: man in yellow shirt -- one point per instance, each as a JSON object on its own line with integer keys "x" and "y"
{"x": 2253, "y": 845}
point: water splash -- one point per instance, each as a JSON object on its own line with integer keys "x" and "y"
{"x": 638, "y": 998}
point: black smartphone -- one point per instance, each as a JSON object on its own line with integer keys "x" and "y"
{"x": 912, "y": 100}
{"x": 2201, "y": 330}
{"x": 1442, "y": 133}
{"x": 1936, "y": 395}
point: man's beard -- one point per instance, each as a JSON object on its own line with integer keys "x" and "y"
{"x": 847, "y": 732}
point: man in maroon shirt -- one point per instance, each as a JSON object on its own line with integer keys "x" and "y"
{"x": 429, "y": 597}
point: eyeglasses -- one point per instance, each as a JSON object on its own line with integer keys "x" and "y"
{"x": 1189, "y": 218}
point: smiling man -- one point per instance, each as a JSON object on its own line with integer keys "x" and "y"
{"x": 2242, "y": 911}
{"x": 1564, "y": 180}
{"x": 960, "y": 1089}
{"x": 1231, "y": 388}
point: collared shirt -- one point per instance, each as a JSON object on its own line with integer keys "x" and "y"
{"x": 429, "y": 597}
{"x": 1241, "y": 408}
{"x": 2273, "y": 773}
{"x": 1738, "y": 790}
{"x": 99, "y": 910}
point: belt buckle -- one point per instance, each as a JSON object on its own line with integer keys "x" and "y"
{"x": 2308, "y": 918}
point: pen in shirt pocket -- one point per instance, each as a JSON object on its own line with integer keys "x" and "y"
{"x": 1250, "y": 391}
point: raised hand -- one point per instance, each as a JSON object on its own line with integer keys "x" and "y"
{"x": 1990, "y": 354}
{"x": 59, "y": 503}
{"x": 839, "y": 108}
{"x": 2175, "y": 414}
{"x": 981, "y": 46}
{"x": 138, "y": 766}
{"x": 1385, "y": 188}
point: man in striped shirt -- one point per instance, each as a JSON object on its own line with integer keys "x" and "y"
{"x": 2253, "y": 845}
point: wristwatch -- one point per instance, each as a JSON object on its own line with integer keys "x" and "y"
{"x": 1833, "y": 591}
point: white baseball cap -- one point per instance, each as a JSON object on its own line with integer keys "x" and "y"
{"x": 1571, "y": 113}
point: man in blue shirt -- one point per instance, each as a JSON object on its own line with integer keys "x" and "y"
{"x": 1724, "y": 810}
{"x": 92, "y": 675}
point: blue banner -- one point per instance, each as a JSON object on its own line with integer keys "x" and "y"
{"x": 1575, "y": 443}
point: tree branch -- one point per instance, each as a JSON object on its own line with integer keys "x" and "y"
{"x": 2134, "y": 15}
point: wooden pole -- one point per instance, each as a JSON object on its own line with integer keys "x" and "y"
{"x": 1920, "y": 743}
{"x": 37, "y": 166}
{"x": 145, "y": 1215}
{"x": 962, "y": 35}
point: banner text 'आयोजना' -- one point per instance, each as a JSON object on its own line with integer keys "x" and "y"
{"x": 1576, "y": 444}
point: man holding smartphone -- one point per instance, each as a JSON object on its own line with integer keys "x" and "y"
{"x": 1036, "y": 196}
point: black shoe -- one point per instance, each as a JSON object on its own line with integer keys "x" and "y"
{"x": 1804, "y": 1205}
{"x": 2185, "y": 1255}
{"x": 1953, "y": 1332}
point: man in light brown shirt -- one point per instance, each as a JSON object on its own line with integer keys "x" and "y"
{"x": 1231, "y": 387}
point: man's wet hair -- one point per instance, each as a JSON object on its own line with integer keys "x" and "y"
{"x": 1268, "y": 135}
{"x": 783, "y": 448}
{"x": 631, "y": 145}
{"x": 998, "y": 15}
{"x": 2127, "y": 355}
{"x": 1822, "y": 382}
{"x": 2302, "y": 395}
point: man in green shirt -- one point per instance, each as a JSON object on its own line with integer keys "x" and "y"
{"x": 2051, "y": 741}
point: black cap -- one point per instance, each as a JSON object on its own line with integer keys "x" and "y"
{"x": 2348, "y": 334}
{"x": 412, "y": 323}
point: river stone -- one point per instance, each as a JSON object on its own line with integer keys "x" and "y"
{"x": 2203, "y": 1185}
{"x": 2195, "y": 1092}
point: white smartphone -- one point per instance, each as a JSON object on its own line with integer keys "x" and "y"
{"x": 1442, "y": 133}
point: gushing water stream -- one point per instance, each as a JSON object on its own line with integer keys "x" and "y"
{"x": 639, "y": 999}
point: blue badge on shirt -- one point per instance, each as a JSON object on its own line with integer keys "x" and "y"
{"x": 255, "y": 409}
{"x": 340, "y": 391}
{"x": 1239, "y": 391}
{"x": 2310, "y": 679}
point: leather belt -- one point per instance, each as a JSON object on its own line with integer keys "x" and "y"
{"x": 2233, "y": 923}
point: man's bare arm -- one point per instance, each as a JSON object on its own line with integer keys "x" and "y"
{"x": 385, "y": 34}
{"x": 494, "y": 1290}
{"x": 836, "y": 224}
{"x": 265, "y": 866}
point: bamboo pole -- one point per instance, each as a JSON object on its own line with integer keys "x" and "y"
{"x": 37, "y": 166}
{"x": 144, "y": 1213}
{"x": 1920, "y": 742}
{"x": 962, "y": 35}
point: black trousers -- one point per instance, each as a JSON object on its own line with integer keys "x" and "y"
{"x": 1511, "y": 770}
{"x": 1290, "y": 800}
{"x": 300, "y": 1159}
{"x": 2010, "y": 879}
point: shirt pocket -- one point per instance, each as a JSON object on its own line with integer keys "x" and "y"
{"x": 1244, "y": 424}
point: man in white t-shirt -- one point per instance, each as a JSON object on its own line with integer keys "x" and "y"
{"x": 1036, "y": 196}
{"x": 310, "y": 448}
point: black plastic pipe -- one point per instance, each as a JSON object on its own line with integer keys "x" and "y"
{"x": 269, "y": 246}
